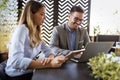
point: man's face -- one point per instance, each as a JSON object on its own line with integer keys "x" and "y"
{"x": 75, "y": 20}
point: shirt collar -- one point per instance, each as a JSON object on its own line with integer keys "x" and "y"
{"x": 68, "y": 28}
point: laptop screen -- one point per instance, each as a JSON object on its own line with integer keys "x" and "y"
{"x": 92, "y": 49}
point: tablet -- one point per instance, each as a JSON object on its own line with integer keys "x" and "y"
{"x": 75, "y": 52}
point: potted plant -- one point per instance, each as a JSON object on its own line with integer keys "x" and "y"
{"x": 104, "y": 67}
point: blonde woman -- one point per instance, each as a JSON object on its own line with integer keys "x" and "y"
{"x": 26, "y": 43}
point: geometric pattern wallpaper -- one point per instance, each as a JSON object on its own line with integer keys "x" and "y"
{"x": 47, "y": 27}
{"x": 65, "y": 6}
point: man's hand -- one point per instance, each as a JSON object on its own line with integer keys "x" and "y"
{"x": 78, "y": 55}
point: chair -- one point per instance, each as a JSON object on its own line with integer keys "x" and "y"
{"x": 3, "y": 75}
{"x": 104, "y": 38}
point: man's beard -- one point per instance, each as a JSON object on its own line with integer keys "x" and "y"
{"x": 76, "y": 25}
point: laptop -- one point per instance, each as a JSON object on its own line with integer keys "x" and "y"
{"x": 92, "y": 49}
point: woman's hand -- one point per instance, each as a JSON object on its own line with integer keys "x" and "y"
{"x": 54, "y": 62}
{"x": 45, "y": 61}
{"x": 58, "y": 61}
{"x": 48, "y": 62}
{"x": 51, "y": 56}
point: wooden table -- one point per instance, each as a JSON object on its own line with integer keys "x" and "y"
{"x": 68, "y": 71}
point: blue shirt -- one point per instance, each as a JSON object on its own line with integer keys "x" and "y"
{"x": 72, "y": 35}
{"x": 20, "y": 52}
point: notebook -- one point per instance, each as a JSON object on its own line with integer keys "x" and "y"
{"x": 92, "y": 49}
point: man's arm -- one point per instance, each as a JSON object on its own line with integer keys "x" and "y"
{"x": 86, "y": 38}
{"x": 54, "y": 43}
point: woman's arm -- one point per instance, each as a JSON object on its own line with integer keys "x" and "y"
{"x": 54, "y": 63}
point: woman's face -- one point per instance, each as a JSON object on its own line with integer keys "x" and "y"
{"x": 39, "y": 16}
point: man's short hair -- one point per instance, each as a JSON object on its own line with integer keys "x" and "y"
{"x": 76, "y": 9}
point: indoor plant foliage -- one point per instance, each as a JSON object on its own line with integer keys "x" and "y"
{"x": 104, "y": 67}
{"x": 8, "y": 13}
{"x": 8, "y": 21}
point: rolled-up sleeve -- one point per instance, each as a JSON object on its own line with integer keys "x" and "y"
{"x": 19, "y": 61}
{"x": 17, "y": 58}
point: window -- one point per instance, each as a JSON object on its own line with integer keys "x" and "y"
{"x": 104, "y": 17}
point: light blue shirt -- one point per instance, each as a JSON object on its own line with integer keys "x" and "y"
{"x": 72, "y": 35}
{"x": 20, "y": 52}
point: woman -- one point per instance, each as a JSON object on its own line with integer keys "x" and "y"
{"x": 26, "y": 43}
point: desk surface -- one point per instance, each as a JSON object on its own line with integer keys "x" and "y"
{"x": 68, "y": 71}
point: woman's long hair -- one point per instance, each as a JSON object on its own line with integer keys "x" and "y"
{"x": 27, "y": 18}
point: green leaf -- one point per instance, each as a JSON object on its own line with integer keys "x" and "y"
{"x": 104, "y": 67}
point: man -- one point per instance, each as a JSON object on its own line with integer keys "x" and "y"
{"x": 69, "y": 36}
